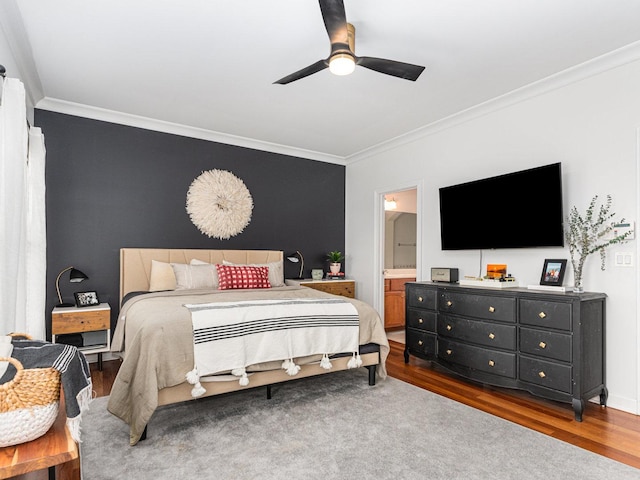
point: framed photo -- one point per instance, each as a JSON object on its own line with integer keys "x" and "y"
{"x": 553, "y": 272}
{"x": 86, "y": 299}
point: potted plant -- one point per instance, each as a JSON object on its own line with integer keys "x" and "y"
{"x": 589, "y": 234}
{"x": 335, "y": 259}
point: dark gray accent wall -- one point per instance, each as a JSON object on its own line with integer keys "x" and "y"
{"x": 111, "y": 186}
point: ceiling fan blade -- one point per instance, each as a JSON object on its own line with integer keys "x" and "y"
{"x": 305, "y": 72}
{"x": 335, "y": 21}
{"x": 407, "y": 71}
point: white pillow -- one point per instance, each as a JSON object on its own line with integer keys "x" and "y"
{"x": 276, "y": 271}
{"x": 162, "y": 277}
{"x": 195, "y": 261}
{"x": 189, "y": 277}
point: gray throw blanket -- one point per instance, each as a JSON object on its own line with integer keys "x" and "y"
{"x": 74, "y": 374}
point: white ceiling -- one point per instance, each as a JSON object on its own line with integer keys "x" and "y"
{"x": 206, "y": 67}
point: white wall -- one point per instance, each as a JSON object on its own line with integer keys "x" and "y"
{"x": 591, "y": 126}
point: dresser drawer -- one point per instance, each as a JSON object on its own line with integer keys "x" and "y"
{"x": 477, "y": 358}
{"x": 421, "y": 297}
{"x": 421, "y": 342}
{"x": 502, "y": 309}
{"x": 482, "y": 333}
{"x": 548, "y": 374}
{"x": 546, "y": 344}
{"x": 421, "y": 319}
{"x": 546, "y": 314}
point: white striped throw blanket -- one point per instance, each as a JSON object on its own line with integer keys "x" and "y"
{"x": 230, "y": 336}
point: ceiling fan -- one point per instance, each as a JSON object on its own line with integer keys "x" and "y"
{"x": 342, "y": 59}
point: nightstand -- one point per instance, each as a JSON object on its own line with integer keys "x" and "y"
{"x": 92, "y": 326}
{"x": 346, "y": 288}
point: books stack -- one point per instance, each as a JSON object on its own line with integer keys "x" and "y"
{"x": 335, "y": 276}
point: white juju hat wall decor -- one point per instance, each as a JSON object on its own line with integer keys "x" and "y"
{"x": 219, "y": 204}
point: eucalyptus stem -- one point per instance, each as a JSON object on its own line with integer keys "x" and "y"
{"x": 587, "y": 234}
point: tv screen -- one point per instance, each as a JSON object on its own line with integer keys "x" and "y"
{"x": 516, "y": 210}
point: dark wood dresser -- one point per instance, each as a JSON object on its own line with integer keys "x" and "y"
{"x": 549, "y": 344}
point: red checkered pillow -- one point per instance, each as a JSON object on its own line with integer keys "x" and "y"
{"x": 242, "y": 276}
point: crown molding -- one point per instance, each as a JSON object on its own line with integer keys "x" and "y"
{"x": 577, "y": 73}
{"x": 102, "y": 114}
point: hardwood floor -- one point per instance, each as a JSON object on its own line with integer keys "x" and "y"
{"x": 605, "y": 431}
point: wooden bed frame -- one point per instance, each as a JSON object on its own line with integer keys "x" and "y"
{"x": 135, "y": 270}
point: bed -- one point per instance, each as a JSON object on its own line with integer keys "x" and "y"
{"x": 160, "y": 289}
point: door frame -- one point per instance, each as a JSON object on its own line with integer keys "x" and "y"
{"x": 378, "y": 238}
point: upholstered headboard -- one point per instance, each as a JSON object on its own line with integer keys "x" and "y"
{"x": 135, "y": 263}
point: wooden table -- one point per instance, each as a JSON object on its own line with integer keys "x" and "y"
{"x": 54, "y": 448}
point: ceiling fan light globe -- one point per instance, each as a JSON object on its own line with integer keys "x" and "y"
{"x": 342, "y": 64}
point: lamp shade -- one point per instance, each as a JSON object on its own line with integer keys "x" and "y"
{"x": 295, "y": 258}
{"x": 75, "y": 276}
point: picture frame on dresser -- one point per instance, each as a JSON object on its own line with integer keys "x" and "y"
{"x": 553, "y": 272}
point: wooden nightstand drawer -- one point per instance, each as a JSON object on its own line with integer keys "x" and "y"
{"x": 88, "y": 328}
{"x": 336, "y": 287}
{"x": 79, "y": 321}
{"x": 345, "y": 288}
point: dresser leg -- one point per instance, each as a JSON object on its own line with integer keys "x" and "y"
{"x": 578, "y": 408}
{"x": 604, "y": 394}
{"x": 406, "y": 355}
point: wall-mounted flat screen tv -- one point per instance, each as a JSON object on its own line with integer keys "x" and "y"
{"x": 517, "y": 210}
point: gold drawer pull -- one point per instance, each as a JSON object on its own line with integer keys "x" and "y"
{"x": 542, "y": 345}
{"x": 492, "y": 336}
{"x": 449, "y": 352}
{"x": 420, "y": 342}
{"x": 449, "y": 327}
{"x": 491, "y": 309}
{"x": 541, "y": 374}
{"x": 420, "y": 299}
{"x": 420, "y": 320}
{"x": 449, "y": 303}
{"x": 492, "y": 363}
{"x": 542, "y": 314}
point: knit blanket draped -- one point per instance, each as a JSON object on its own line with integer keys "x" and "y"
{"x": 230, "y": 336}
{"x": 75, "y": 375}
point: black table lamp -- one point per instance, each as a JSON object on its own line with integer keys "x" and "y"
{"x": 295, "y": 258}
{"x": 75, "y": 276}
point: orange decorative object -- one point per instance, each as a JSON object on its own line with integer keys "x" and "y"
{"x": 496, "y": 270}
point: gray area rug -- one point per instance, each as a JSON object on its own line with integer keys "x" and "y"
{"x": 331, "y": 427}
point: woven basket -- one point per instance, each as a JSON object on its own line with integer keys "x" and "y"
{"x": 28, "y": 403}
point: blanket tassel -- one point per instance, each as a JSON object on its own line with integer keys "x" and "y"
{"x": 193, "y": 377}
{"x": 242, "y": 373}
{"x": 290, "y": 367}
{"x": 355, "y": 361}
{"x": 325, "y": 362}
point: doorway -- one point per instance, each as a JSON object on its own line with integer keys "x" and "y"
{"x": 399, "y": 233}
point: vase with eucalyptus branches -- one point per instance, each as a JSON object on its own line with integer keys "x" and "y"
{"x": 591, "y": 233}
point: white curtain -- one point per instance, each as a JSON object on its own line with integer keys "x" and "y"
{"x": 22, "y": 217}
